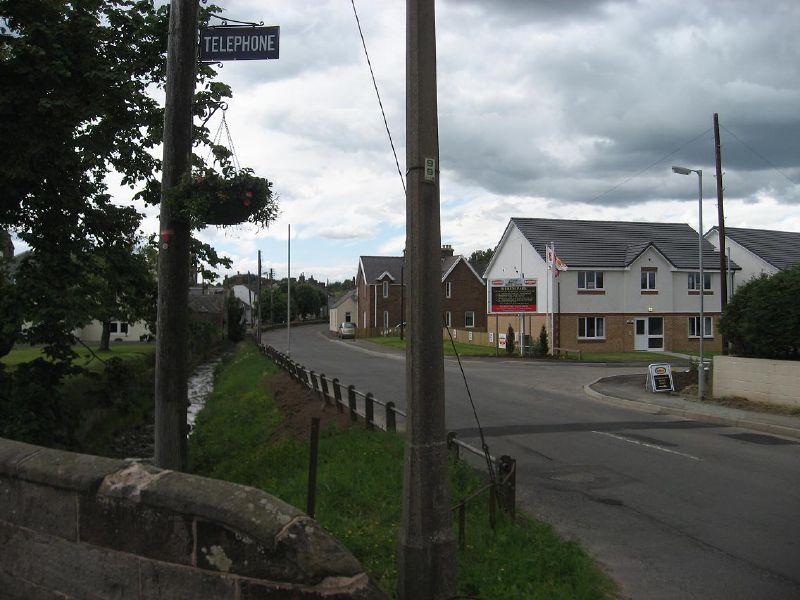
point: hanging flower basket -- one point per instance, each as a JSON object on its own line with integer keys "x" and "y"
{"x": 211, "y": 198}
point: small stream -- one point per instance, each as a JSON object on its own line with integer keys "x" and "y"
{"x": 201, "y": 382}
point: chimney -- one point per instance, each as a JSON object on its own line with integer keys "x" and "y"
{"x": 447, "y": 250}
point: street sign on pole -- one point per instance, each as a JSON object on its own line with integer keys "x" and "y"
{"x": 239, "y": 43}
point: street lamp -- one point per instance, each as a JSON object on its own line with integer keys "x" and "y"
{"x": 701, "y": 370}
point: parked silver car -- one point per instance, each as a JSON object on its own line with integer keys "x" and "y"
{"x": 347, "y": 330}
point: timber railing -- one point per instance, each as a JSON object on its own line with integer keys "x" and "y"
{"x": 360, "y": 405}
{"x": 346, "y": 398}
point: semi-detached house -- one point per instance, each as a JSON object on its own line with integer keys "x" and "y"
{"x": 627, "y": 286}
{"x": 757, "y": 251}
{"x": 380, "y": 283}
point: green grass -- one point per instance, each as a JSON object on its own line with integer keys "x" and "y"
{"x": 85, "y": 357}
{"x": 462, "y": 348}
{"x": 622, "y": 357}
{"x": 359, "y": 494}
{"x": 476, "y": 350}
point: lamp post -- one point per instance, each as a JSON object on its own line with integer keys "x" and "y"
{"x": 701, "y": 369}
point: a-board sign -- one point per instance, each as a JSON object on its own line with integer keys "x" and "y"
{"x": 512, "y": 295}
{"x": 239, "y": 43}
{"x": 659, "y": 378}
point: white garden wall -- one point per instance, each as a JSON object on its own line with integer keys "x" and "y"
{"x": 757, "y": 379}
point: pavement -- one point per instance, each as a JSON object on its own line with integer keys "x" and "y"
{"x": 629, "y": 391}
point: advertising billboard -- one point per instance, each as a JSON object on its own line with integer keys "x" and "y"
{"x": 512, "y": 296}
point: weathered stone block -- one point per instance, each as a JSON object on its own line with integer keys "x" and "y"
{"x": 39, "y": 507}
{"x": 239, "y": 507}
{"x": 78, "y": 472}
{"x": 161, "y": 582}
{"x": 12, "y": 453}
{"x": 74, "y": 570}
{"x": 131, "y": 527}
{"x": 335, "y": 588}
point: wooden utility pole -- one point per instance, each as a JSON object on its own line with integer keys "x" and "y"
{"x": 258, "y": 296}
{"x": 172, "y": 369}
{"x": 723, "y": 266}
{"x": 427, "y": 548}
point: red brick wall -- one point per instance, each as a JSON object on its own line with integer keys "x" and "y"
{"x": 620, "y": 333}
{"x": 468, "y": 294}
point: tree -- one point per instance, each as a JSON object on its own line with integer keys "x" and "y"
{"x": 309, "y": 298}
{"x": 480, "y": 260}
{"x": 762, "y": 320}
{"x": 543, "y": 346}
{"x": 76, "y": 80}
{"x": 510, "y": 340}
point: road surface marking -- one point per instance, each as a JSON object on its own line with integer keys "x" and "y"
{"x": 647, "y": 445}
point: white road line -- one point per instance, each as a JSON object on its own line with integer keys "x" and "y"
{"x": 653, "y": 446}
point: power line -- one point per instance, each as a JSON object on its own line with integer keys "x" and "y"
{"x": 650, "y": 166}
{"x": 377, "y": 93}
{"x": 759, "y": 155}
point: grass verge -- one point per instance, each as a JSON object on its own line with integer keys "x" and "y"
{"x": 462, "y": 348}
{"x": 85, "y": 358}
{"x": 360, "y": 488}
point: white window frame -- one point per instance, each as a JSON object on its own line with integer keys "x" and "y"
{"x": 448, "y": 289}
{"x": 469, "y": 319}
{"x": 585, "y": 321}
{"x": 386, "y": 319}
{"x": 590, "y": 280}
{"x": 693, "y": 322}
{"x": 385, "y": 289}
{"x": 448, "y": 319}
{"x": 118, "y": 327}
{"x": 692, "y": 281}
{"x": 645, "y": 281}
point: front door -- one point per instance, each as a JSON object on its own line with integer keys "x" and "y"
{"x": 649, "y": 333}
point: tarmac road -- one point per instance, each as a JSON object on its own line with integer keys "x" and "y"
{"x": 673, "y": 508}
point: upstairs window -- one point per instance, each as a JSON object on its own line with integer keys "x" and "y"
{"x": 694, "y": 281}
{"x": 385, "y": 289}
{"x": 648, "y": 280}
{"x": 448, "y": 289}
{"x": 590, "y": 280}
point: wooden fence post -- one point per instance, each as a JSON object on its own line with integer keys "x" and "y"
{"x": 324, "y": 383}
{"x": 369, "y": 409}
{"x": 311, "y": 498}
{"x": 337, "y": 394}
{"x": 507, "y": 490}
{"x": 351, "y": 400}
{"x": 391, "y": 422}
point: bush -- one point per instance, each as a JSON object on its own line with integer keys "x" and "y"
{"x": 542, "y": 348}
{"x": 762, "y": 319}
{"x": 510, "y": 340}
{"x": 236, "y": 325}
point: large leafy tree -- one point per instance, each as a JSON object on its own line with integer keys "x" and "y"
{"x": 76, "y": 103}
{"x": 480, "y": 260}
{"x": 762, "y": 320}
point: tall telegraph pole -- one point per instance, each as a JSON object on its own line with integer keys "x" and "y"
{"x": 172, "y": 369}
{"x": 723, "y": 267}
{"x": 427, "y": 548}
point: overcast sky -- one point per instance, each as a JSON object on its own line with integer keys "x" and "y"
{"x": 562, "y": 109}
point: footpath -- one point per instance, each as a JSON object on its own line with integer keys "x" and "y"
{"x": 629, "y": 391}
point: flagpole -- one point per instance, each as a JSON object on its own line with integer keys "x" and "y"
{"x": 549, "y": 261}
{"x": 552, "y": 304}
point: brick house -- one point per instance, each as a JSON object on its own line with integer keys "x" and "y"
{"x": 627, "y": 286}
{"x": 380, "y": 283}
